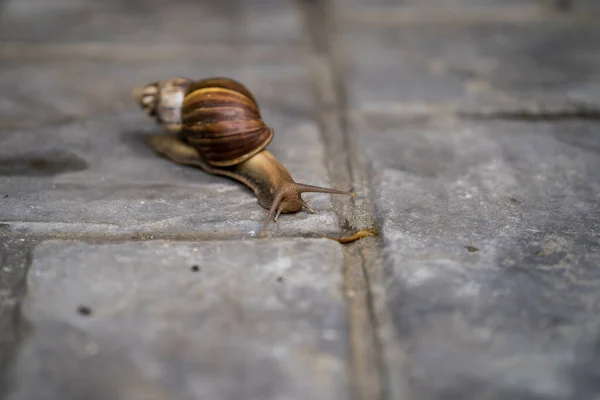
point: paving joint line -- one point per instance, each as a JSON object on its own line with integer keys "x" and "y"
{"x": 20, "y": 327}
{"x": 142, "y": 236}
{"x": 368, "y": 368}
{"x": 26, "y": 51}
{"x": 391, "y": 17}
{"x": 521, "y": 111}
{"x": 533, "y": 116}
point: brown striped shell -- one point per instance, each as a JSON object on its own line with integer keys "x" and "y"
{"x": 221, "y": 119}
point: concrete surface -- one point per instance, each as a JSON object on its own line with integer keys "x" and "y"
{"x": 469, "y": 130}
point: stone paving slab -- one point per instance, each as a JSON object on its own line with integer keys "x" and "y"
{"x": 154, "y": 21}
{"x": 99, "y": 177}
{"x": 466, "y": 5}
{"x": 489, "y": 229}
{"x": 253, "y": 320}
{"x": 475, "y": 67}
{"x": 492, "y": 247}
{"x": 64, "y": 87}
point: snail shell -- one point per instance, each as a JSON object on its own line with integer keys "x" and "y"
{"x": 221, "y": 119}
{"x": 217, "y": 116}
{"x": 217, "y": 126}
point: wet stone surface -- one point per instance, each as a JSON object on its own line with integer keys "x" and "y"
{"x": 491, "y": 240}
{"x": 236, "y": 319}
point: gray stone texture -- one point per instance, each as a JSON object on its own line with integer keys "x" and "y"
{"x": 469, "y": 129}
{"x": 489, "y": 223}
{"x": 154, "y": 21}
{"x": 469, "y": 6}
{"x": 490, "y": 234}
{"x": 64, "y": 86}
{"x": 97, "y": 175}
{"x": 476, "y": 67}
{"x": 256, "y": 321}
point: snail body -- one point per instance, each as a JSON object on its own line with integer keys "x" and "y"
{"x": 215, "y": 124}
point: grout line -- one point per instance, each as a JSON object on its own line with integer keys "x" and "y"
{"x": 533, "y": 115}
{"x": 518, "y": 111}
{"x": 398, "y": 16}
{"x": 369, "y": 370}
{"x": 19, "y": 326}
{"x": 137, "y": 236}
{"x": 24, "y": 51}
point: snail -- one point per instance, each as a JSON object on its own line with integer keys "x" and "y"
{"x": 216, "y": 124}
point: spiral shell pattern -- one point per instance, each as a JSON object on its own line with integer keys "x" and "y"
{"x": 221, "y": 119}
{"x": 162, "y": 100}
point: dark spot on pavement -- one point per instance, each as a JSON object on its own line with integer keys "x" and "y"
{"x": 84, "y": 310}
{"x": 42, "y": 164}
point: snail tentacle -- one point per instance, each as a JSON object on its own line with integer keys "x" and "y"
{"x": 302, "y": 188}
{"x": 274, "y": 206}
